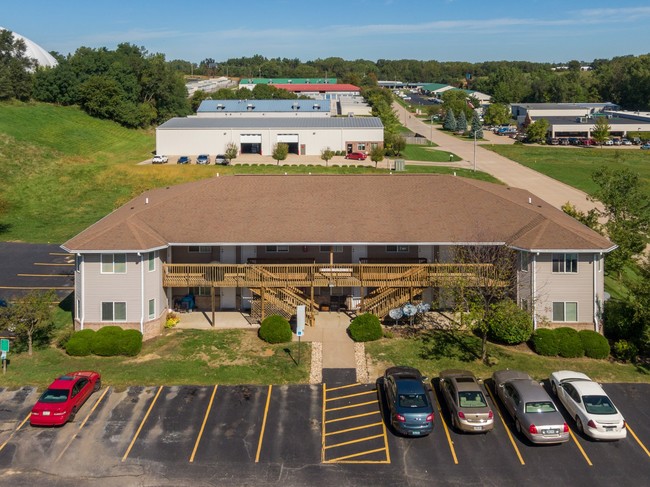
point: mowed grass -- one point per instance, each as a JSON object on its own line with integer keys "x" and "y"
{"x": 434, "y": 351}
{"x": 574, "y": 166}
{"x": 196, "y": 357}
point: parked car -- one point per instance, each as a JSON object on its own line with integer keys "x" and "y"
{"x": 159, "y": 159}
{"x": 626, "y": 142}
{"x": 357, "y": 156}
{"x": 409, "y": 404}
{"x": 184, "y": 160}
{"x": 221, "y": 159}
{"x": 203, "y": 159}
{"x": 466, "y": 402}
{"x": 63, "y": 398}
{"x": 535, "y": 414}
{"x": 645, "y": 146}
{"x": 586, "y": 402}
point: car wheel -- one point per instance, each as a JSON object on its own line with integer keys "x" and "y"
{"x": 579, "y": 425}
{"x": 554, "y": 388}
{"x": 72, "y": 415}
{"x": 98, "y": 385}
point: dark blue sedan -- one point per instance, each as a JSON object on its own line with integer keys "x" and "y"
{"x": 409, "y": 402}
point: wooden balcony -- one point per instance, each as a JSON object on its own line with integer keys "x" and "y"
{"x": 325, "y": 275}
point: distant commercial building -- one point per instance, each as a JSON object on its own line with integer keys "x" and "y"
{"x": 264, "y": 108}
{"x": 322, "y": 91}
{"x": 250, "y": 83}
{"x": 36, "y": 52}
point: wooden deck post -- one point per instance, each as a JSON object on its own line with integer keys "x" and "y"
{"x": 212, "y": 302}
{"x": 262, "y": 304}
{"x": 312, "y": 318}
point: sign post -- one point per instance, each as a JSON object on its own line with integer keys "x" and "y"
{"x": 4, "y": 349}
{"x": 300, "y": 326}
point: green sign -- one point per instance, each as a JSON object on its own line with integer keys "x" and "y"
{"x": 4, "y": 345}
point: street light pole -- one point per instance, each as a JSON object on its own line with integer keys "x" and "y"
{"x": 432, "y": 128}
{"x": 474, "y": 150}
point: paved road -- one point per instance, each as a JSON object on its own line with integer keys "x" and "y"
{"x": 550, "y": 190}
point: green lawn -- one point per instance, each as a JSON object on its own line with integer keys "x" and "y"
{"x": 433, "y": 351}
{"x": 195, "y": 357}
{"x": 574, "y": 166}
{"x": 427, "y": 153}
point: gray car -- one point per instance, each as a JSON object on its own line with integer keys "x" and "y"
{"x": 466, "y": 401}
{"x": 409, "y": 403}
{"x": 535, "y": 414}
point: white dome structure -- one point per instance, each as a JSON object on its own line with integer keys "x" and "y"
{"x": 36, "y": 52}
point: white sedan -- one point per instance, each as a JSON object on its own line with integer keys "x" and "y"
{"x": 586, "y": 401}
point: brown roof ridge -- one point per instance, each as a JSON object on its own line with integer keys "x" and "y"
{"x": 534, "y": 223}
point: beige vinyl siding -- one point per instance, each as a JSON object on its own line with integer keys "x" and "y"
{"x": 565, "y": 287}
{"x": 153, "y": 285}
{"x": 525, "y": 281}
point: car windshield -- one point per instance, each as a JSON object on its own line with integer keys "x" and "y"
{"x": 540, "y": 407}
{"x": 471, "y": 399}
{"x": 54, "y": 396}
{"x": 599, "y": 405}
{"x": 412, "y": 400}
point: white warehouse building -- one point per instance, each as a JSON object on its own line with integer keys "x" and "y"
{"x": 305, "y": 136}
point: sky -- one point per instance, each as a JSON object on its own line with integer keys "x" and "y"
{"x": 444, "y": 30}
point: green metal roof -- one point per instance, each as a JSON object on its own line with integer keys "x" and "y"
{"x": 285, "y": 81}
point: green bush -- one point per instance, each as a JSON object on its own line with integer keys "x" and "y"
{"x": 130, "y": 343}
{"x": 275, "y": 329}
{"x": 594, "y": 344}
{"x": 80, "y": 343}
{"x": 107, "y": 341}
{"x": 625, "y": 351}
{"x": 545, "y": 342}
{"x": 569, "y": 343}
{"x": 508, "y": 323}
{"x": 365, "y": 328}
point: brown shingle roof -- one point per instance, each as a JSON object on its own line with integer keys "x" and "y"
{"x": 339, "y": 209}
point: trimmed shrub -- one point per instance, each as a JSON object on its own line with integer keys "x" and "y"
{"x": 508, "y": 323}
{"x": 594, "y": 344}
{"x": 107, "y": 341}
{"x": 569, "y": 342}
{"x": 80, "y": 343}
{"x": 365, "y": 328}
{"x": 130, "y": 343}
{"x": 275, "y": 329}
{"x": 625, "y": 351}
{"x": 545, "y": 342}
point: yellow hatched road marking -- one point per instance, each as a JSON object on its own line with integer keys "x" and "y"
{"x": 373, "y": 391}
{"x": 36, "y": 287}
{"x": 205, "y": 420}
{"x": 351, "y": 442}
{"x": 65, "y": 448}
{"x": 444, "y": 425}
{"x": 322, "y": 449}
{"x": 44, "y": 275}
{"x": 354, "y": 455}
{"x": 512, "y": 440}
{"x": 128, "y": 450}
{"x": 365, "y": 426}
{"x": 352, "y": 417}
{"x": 637, "y": 440}
{"x": 14, "y": 431}
{"x": 61, "y": 253}
{"x": 575, "y": 440}
{"x": 340, "y": 387}
{"x": 52, "y": 264}
{"x": 266, "y": 412}
{"x": 350, "y": 406}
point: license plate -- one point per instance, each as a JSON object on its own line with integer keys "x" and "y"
{"x": 46, "y": 413}
{"x": 551, "y": 432}
{"x": 416, "y": 433}
{"x": 478, "y": 428}
{"x": 610, "y": 428}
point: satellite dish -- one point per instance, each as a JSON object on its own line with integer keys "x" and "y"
{"x": 396, "y": 313}
{"x": 423, "y": 307}
{"x": 409, "y": 309}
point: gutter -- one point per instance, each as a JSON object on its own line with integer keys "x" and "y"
{"x": 141, "y": 293}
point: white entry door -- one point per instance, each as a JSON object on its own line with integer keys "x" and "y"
{"x": 228, "y": 294}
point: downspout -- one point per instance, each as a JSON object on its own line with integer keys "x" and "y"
{"x": 82, "y": 311}
{"x": 141, "y": 292}
{"x": 596, "y": 323}
{"x": 534, "y": 293}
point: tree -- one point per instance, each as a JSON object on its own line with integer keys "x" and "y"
{"x": 376, "y": 154}
{"x": 600, "y": 132}
{"x": 231, "y": 151}
{"x": 590, "y": 218}
{"x": 30, "y": 317}
{"x": 450, "y": 121}
{"x": 15, "y": 75}
{"x": 536, "y": 132}
{"x": 497, "y": 114}
{"x": 394, "y": 144}
{"x": 326, "y": 154}
{"x": 280, "y": 151}
{"x": 476, "y": 295}
{"x": 477, "y": 126}
{"x": 461, "y": 123}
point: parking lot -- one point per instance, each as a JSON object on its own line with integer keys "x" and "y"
{"x": 297, "y": 435}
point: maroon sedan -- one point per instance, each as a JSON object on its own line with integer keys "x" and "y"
{"x": 61, "y": 401}
{"x": 357, "y": 156}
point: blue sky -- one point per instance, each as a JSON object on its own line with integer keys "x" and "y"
{"x": 444, "y": 30}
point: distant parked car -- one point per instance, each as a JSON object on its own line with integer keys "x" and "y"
{"x": 221, "y": 159}
{"x": 63, "y": 398}
{"x": 183, "y": 160}
{"x": 409, "y": 403}
{"x": 645, "y": 146}
{"x": 357, "y": 156}
{"x": 626, "y": 142}
{"x": 586, "y": 402}
{"x": 159, "y": 159}
{"x": 466, "y": 402}
{"x": 203, "y": 159}
{"x": 532, "y": 409}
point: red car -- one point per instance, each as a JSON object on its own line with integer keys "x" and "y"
{"x": 357, "y": 156}
{"x": 61, "y": 401}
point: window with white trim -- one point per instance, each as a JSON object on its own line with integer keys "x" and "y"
{"x": 335, "y": 248}
{"x": 113, "y": 311}
{"x": 397, "y": 248}
{"x": 361, "y": 146}
{"x": 200, "y": 291}
{"x": 199, "y": 249}
{"x": 113, "y": 263}
{"x": 152, "y": 309}
{"x": 565, "y": 311}
{"x": 277, "y": 248}
{"x": 524, "y": 261}
{"x": 565, "y": 263}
